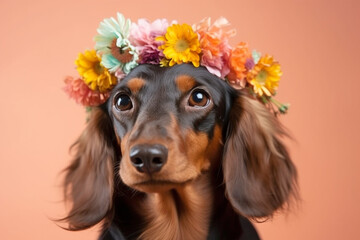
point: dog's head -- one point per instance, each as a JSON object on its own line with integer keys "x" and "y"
{"x": 167, "y": 126}
{"x": 168, "y": 122}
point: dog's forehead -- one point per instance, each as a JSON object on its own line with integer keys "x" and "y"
{"x": 181, "y": 78}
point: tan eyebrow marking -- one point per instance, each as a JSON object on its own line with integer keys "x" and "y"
{"x": 135, "y": 84}
{"x": 185, "y": 83}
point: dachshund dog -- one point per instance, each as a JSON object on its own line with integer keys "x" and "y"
{"x": 177, "y": 153}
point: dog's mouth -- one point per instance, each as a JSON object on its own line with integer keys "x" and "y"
{"x": 158, "y": 185}
{"x": 160, "y": 182}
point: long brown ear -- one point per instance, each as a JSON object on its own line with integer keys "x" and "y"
{"x": 258, "y": 172}
{"x": 88, "y": 182}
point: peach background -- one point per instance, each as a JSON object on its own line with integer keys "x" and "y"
{"x": 316, "y": 41}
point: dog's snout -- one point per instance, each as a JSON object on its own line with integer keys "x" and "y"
{"x": 148, "y": 158}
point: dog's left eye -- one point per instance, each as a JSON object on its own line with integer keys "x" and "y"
{"x": 199, "y": 98}
{"x": 123, "y": 102}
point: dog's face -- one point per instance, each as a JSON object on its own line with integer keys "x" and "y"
{"x": 168, "y": 123}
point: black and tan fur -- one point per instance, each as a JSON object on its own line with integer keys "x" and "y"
{"x": 225, "y": 161}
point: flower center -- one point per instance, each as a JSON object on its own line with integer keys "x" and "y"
{"x": 181, "y": 45}
{"x": 98, "y": 68}
{"x": 261, "y": 77}
{"x": 121, "y": 54}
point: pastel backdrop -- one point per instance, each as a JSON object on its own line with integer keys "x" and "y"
{"x": 316, "y": 42}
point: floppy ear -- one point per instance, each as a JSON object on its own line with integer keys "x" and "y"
{"x": 258, "y": 172}
{"x": 89, "y": 178}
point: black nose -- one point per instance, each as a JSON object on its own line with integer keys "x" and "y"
{"x": 148, "y": 158}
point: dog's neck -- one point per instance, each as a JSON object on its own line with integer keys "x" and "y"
{"x": 181, "y": 213}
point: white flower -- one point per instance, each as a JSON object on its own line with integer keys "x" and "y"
{"x": 113, "y": 44}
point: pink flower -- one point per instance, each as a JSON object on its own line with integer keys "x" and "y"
{"x": 143, "y": 34}
{"x": 214, "y": 43}
{"x": 119, "y": 74}
{"x": 77, "y": 89}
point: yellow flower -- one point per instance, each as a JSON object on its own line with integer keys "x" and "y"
{"x": 181, "y": 45}
{"x": 94, "y": 74}
{"x": 265, "y": 76}
{"x": 164, "y": 62}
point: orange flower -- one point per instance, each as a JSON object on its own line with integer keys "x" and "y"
{"x": 78, "y": 90}
{"x": 238, "y": 58}
{"x": 215, "y": 45}
{"x": 215, "y": 30}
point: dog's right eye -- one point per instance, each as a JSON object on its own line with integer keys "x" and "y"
{"x": 199, "y": 98}
{"x": 123, "y": 102}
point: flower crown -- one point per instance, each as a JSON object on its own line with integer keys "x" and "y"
{"x": 122, "y": 45}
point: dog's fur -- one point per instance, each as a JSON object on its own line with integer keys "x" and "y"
{"x": 224, "y": 159}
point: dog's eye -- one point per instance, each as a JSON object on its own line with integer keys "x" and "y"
{"x": 123, "y": 102}
{"x": 199, "y": 98}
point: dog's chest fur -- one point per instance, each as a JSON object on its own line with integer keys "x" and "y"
{"x": 183, "y": 213}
